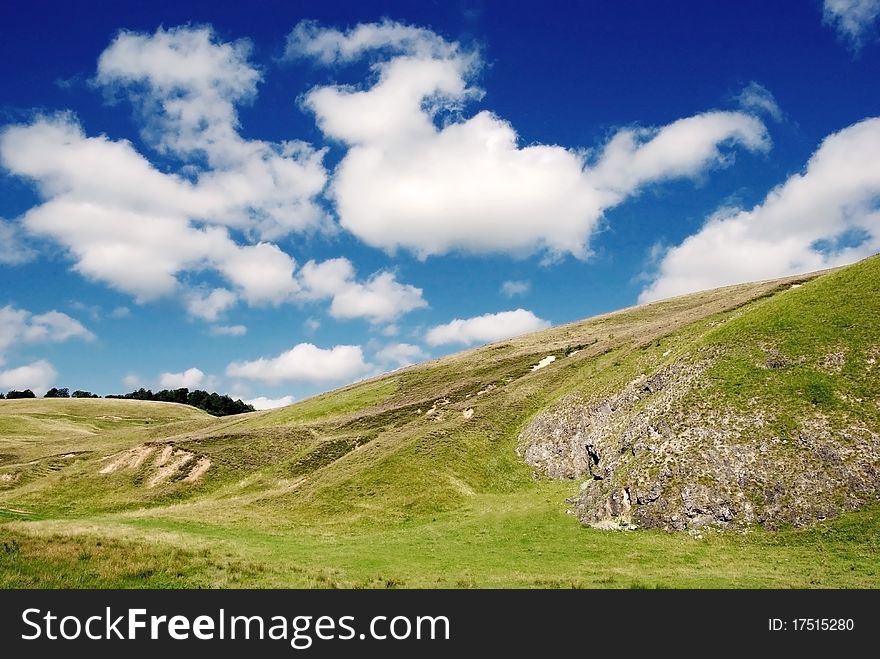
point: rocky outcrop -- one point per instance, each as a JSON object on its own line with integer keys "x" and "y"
{"x": 646, "y": 462}
{"x": 576, "y": 439}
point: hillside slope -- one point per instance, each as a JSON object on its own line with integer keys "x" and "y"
{"x": 752, "y": 405}
{"x": 773, "y": 417}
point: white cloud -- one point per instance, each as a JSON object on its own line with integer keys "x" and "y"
{"x": 684, "y": 148}
{"x": 228, "y": 330}
{"x": 132, "y": 381}
{"x": 304, "y": 362}
{"x": 486, "y": 328}
{"x": 186, "y": 82}
{"x": 407, "y": 183}
{"x": 323, "y": 280}
{"x": 758, "y": 99}
{"x": 138, "y": 229}
{"x": 56, "y": 327}
{"x": 852, "y": 19}
{"x": 13, "y": 251}
{"x": 330, "y": 46}
{"x": 37, "y": 376}
{"x": 263, "y": 272}
{"x": 120, "y": 312}
{"x": 311, "y": 325}
{"x": 211, "y": 305}
{"x": 263, "y": 403}
{"x": 390, "y": 330}
{"x": 191, "y": 378}
{"x": 186, "y": 85}
{"x": 510, "y": 288}
{"x": 380, "y": 299}
{"x": 22, "y": 326}
{"x": 401, "y": 354}
{"x": 823, "y": 217}
{"x": 127, "y": 224}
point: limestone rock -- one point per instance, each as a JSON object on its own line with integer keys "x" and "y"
{"x": 646, "y": 462}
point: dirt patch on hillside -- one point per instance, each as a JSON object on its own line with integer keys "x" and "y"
{"x": 131, "y": 459}
{"x": 164, "y": 456}
{"x": 178, "y": 460}
{"x": 168, "y": 465}
{"x": 199, "y": 470}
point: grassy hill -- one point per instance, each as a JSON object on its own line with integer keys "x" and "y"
{"x": 751, "y": 409}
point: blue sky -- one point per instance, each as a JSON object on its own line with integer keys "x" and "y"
{"x": 275, "y": 199}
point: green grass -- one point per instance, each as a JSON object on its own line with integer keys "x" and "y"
{"x": 386, "y": 483}
{"x": 796, "y": 332}
{"x": 83, "y": 561}
{"x": 523, "y": 541}
{"x": 350, "y": 399}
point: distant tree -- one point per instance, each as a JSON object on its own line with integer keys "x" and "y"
{"x": 212, "y": 403}
{"x": 2, "y": 395}
{"x": 79, "y": 393}
{"x": 27, "y": 393}
{"x": 172, "y": 395}
{"x": 197, "y": 398}
{"x": 181, "y": 395}
{"x": 140, "y": 394}
{"x": 57, "y": 393}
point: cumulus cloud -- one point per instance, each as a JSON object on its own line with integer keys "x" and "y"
{"x": 381, "y": 298}
{"x": 37, "y": 376}
{"x": 186, "y": 85}
{"x": 407, "y": 182}
{"x": 511, "y": 288}
{"x": 263, "y": 403}
{"x": 138, "y": 229}
{"x": 684, "y": 148}
{"x": 54, "y": 326}
{"x": 13, "y": 250}
{"x": 22, "y": 326}
{"x": 263, "y": 273}
{"x": 331, "y": 46}
{"x": 191, "y": 378}
{"x": 127, "y": 224}
{"x": 304, "y": 362}
{"x": 853, "y": 19}
{"x": 228, "y": 330}
{"x": 823, "y": 217}
{"x": 486, "y": 328}
{"x": 401, "y": 354}
{"x": 211, "y": 305}
{"x": 758, "y": 99}
{"x": 132, "y": 381}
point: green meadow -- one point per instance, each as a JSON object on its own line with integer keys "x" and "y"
{"x": 412, "y": 479}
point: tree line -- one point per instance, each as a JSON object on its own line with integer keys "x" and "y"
{"x": 213, "y": 403}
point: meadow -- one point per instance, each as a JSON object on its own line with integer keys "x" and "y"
{"x": 412, "y": 479}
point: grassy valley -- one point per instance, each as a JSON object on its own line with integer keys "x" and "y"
{"x": 751, "y": 411}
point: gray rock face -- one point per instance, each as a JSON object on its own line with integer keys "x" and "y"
{"x": 575, "y": 439}
{"x": 647, "y": 463}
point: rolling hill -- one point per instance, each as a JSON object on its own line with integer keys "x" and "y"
{"x": 747, "y": 416}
